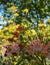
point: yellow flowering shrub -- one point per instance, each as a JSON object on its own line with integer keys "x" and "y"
{"x": 5, "y": 28}
{"x": 25, "y": 33}
{"x": 29, "y": 33}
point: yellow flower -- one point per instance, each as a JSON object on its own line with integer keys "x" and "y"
{"x": 10, "y": 21}
{"x": 25, "y": 10}
{"x": 19, "y": 56}
{"x": 5, "y": 28}
{"x": 49, "y": 20}
{"x": 1, "y": 35}
{"x": 33, "y": 32}
{"x": 15, "y": 63}
{"x": 28, "y": 32}
{"x": 10, "y": 30}
{"x": 17, "y": 25}
{"x": 16, "y": 14}
{"x": 42, "y": 24}
{"x": 4, "y": 36}
{"x": 13, "y": 8}
{"x": 3, "y": 40}
{"x": 0, "y": 47}
{"x": 8, "y": 37}
{"x": 15, "y": 57}
{"x": 15, "y": 38}
{"x": 0, "y": 31}
{"x": 1, "y": 16}
{"x": 24, "y": 25}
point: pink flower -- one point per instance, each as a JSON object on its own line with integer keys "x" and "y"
{"x": 7, "y": 47}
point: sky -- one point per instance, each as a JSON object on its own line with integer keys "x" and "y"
{"x": 1, "y": 19}
{"x": 2, "y": 14}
